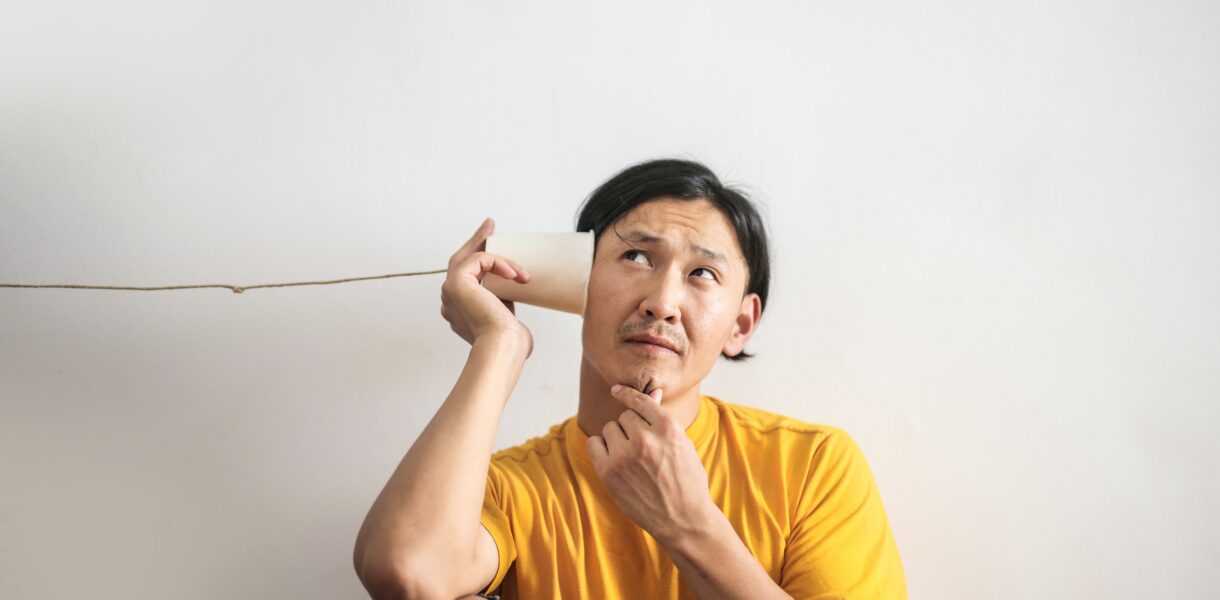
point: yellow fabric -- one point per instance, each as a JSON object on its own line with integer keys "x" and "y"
{"x": 801, "y": 496}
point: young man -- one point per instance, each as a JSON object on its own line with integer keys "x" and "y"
{"x": 653, "y": 489}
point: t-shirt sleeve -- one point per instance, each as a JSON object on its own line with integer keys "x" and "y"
{"x": 495, "y": 519}
{"x": 841, "y": 546}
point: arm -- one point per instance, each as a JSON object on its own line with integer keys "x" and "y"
{"x": 423, "y": 534}
{"x": 419, "y": 536}
{"x": 651, "y": 468}
{"x": 715, "y": 563}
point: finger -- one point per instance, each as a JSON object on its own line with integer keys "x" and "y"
{"x": 642, "y": 403}
{"x": 500, "y": 266}
{"x": 596, "y": 447}
{"x": 522, "y": 275}
{"x": 476, "y": 241}
{"x": 614, "y": 436}
{"x": 519, "y": 273}
{"x": 632, "y": 423}
{"x": 481, "y": 263}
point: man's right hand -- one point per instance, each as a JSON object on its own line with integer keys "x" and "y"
{"x": 472, "y": 310}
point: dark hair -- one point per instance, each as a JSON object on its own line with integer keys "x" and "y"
{"x": 685, "y": 180}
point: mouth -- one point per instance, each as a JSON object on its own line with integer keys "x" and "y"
{"x": 652, "y": 348}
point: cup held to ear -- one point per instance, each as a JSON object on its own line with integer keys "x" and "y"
{"x": 559, "y": 264}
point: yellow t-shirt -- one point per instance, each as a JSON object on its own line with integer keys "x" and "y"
{"x": 801, "y": 496}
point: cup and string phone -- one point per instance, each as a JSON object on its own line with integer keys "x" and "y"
{"x": 559, "y": 264}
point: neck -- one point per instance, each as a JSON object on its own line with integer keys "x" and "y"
{"x": 598, "y": 407}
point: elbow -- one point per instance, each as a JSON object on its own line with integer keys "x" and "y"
{"x": 402, "y": 580}
{"x": 380, "y": 582}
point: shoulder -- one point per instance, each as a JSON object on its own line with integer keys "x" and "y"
{"x": 820, "y": 450}
{"x": 532, "y": 454}
{"x": 761, "y": 422}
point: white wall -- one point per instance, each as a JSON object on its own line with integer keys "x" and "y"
{"x": 997, "y": 266}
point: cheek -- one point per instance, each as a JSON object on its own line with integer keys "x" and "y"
{"x": 601, "y": 317}
{"x": 710, "y": 321}
{"x": 606, "y": 294}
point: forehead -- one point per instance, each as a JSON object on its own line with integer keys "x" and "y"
{"x": 695, "y": 225}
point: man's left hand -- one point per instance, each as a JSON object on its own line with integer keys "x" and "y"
{"x": 652, "y": 469}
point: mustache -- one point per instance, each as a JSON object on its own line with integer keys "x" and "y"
{"x": 678, "y": 341}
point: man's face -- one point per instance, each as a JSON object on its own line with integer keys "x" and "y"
{"x": 669, "y": 288}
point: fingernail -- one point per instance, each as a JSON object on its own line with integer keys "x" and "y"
{"x": 616, "y": 387}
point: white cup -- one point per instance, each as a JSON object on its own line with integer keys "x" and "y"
{"x": 559, "y": 264}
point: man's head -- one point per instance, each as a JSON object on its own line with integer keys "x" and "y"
{"x": 678, "y": 256}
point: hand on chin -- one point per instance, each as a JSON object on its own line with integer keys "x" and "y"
{"x": 645, "y": 380}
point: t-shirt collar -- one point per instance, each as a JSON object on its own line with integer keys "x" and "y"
{"x": 700, "y": 432}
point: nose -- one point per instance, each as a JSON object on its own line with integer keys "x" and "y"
{"x": 662, "y": 299}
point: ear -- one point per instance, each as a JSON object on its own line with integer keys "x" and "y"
{"x": 744, "y": 326}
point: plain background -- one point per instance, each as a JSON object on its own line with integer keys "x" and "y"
{"x": 996, "y": 266}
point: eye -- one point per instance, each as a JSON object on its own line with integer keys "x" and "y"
{"x": 625, "y": 254}
{"x": 713, "y": 273}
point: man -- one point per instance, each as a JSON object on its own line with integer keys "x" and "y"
{"x": 653, "y": 489}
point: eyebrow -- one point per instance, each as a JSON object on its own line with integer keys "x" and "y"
{"x": 647, "y": 238}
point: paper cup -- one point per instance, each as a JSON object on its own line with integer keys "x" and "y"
{"x": 558, "y": 263}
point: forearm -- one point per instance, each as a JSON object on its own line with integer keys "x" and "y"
{"x": 716, "y": 564}
{"x": 430, "y": 507}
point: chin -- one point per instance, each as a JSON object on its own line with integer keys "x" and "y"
{"x": 631, "y": 369}
{"x": 633, "y": 373}
{"x": 646, "y": 379}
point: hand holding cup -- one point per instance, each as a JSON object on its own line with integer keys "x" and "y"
{"x": 472, "y": 310}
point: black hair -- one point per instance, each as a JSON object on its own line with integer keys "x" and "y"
{"x": 684, "y": 180}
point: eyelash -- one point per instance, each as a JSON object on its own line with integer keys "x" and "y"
{"x": 714, "y": 276}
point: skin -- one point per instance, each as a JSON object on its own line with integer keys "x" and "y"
{"x": 423, "y": 531}
{"x": 636, "y": 405}
{"x": 667, "y": 289}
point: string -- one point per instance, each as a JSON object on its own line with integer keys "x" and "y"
{"x": 237, "y": 289}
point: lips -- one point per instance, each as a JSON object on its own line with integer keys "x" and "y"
{"x": 651, "y": 339}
